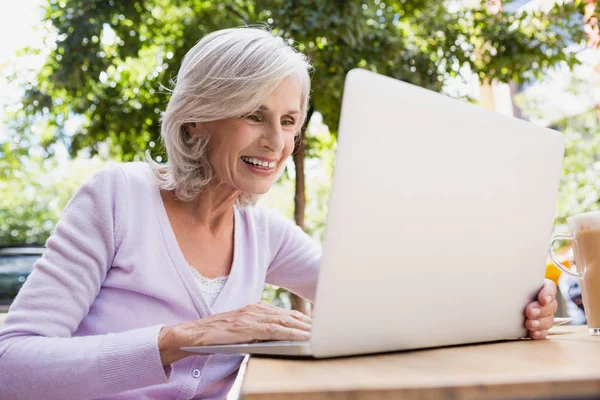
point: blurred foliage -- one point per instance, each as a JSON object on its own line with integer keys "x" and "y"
{"x": 276, "y": 296}
{"x": 33, "y": 199}
{"x": 581, "y": 167}
{"x": 565, "y": 100}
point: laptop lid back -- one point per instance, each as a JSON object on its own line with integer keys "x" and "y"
{"x": 439, "y": 221}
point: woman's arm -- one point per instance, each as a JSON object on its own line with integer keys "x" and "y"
{"x": 39, "y": 358}
{"x": 295, "y": 256}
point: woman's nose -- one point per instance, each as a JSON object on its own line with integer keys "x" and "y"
{"x": 273, "y": 138}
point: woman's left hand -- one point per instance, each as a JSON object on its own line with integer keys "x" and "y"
{"x": 540, "y": 314}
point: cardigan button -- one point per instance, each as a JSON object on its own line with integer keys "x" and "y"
{"x": 196, "y": 373}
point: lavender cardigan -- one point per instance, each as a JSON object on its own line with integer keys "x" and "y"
{"x": 86, "y": 322}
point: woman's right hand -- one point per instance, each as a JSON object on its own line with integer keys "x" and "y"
{"x": 253, "y": 323}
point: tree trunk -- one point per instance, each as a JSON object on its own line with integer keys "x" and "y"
{"x": 300, "y": 195}
{"x": 298, "y": 303}
{"x": 486, "y": 95}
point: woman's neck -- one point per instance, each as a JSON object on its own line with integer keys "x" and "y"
{"x": 211, "y": 209}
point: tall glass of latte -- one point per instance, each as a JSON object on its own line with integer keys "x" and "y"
{"x": 585, "y": 234}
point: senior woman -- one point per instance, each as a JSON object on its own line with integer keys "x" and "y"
{"x": 148, "y": 258}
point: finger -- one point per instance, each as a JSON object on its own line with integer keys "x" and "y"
{"x": 536, "y": 335}
{"x": 281, "y": 316}
{"x": 290, "y": 322}
{"x": 300, "y": 316}
{"x": 274, "y": 331}
{"x": 550, "y": 309}
{"x": 548, "y": 293}
{"x": 533, "y": 310}
{"x": 270, "y": 309}
{"x": 540, "y": 324}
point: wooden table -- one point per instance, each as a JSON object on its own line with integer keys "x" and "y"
{"x": 566, "y": 365}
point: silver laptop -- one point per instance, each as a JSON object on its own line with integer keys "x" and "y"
{"x": 438, "y": 228}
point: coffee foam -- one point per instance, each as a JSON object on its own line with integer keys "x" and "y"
{"x": 589, "y": 221}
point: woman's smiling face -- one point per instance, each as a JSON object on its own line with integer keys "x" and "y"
{"x": 246, "y": 153}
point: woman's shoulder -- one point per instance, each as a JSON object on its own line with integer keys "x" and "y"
{"x": 138, "y": 171}
{"x": 136, "y": 176}
{"x": 117, "y": 171}
{"x": 121, "y": 180}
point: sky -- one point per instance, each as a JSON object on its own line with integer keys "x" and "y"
{"x": 20, "y": 26}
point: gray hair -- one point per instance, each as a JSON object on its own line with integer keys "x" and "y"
{"x": 227, "y": 74}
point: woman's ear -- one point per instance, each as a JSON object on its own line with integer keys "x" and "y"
{"x": 194, "y": 129}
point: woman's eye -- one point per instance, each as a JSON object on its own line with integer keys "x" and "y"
{"x": 254, "y": 118}
{"x": 288, "y": 122}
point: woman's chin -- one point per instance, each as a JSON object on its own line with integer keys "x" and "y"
{"x": 256, "y": 189}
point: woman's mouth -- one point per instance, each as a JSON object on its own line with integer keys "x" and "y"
{"x": 257, "y": 163}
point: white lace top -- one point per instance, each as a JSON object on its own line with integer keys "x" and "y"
{"x": 210, "y": 288}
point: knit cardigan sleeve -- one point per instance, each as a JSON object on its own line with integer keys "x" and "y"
{"x": 39, "y": 357}
{"x": 295, "y": 257}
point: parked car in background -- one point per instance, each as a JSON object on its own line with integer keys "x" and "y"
{"x": 16, "y": 263}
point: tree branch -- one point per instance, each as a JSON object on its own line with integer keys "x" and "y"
{"x": 235, "y": 12}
